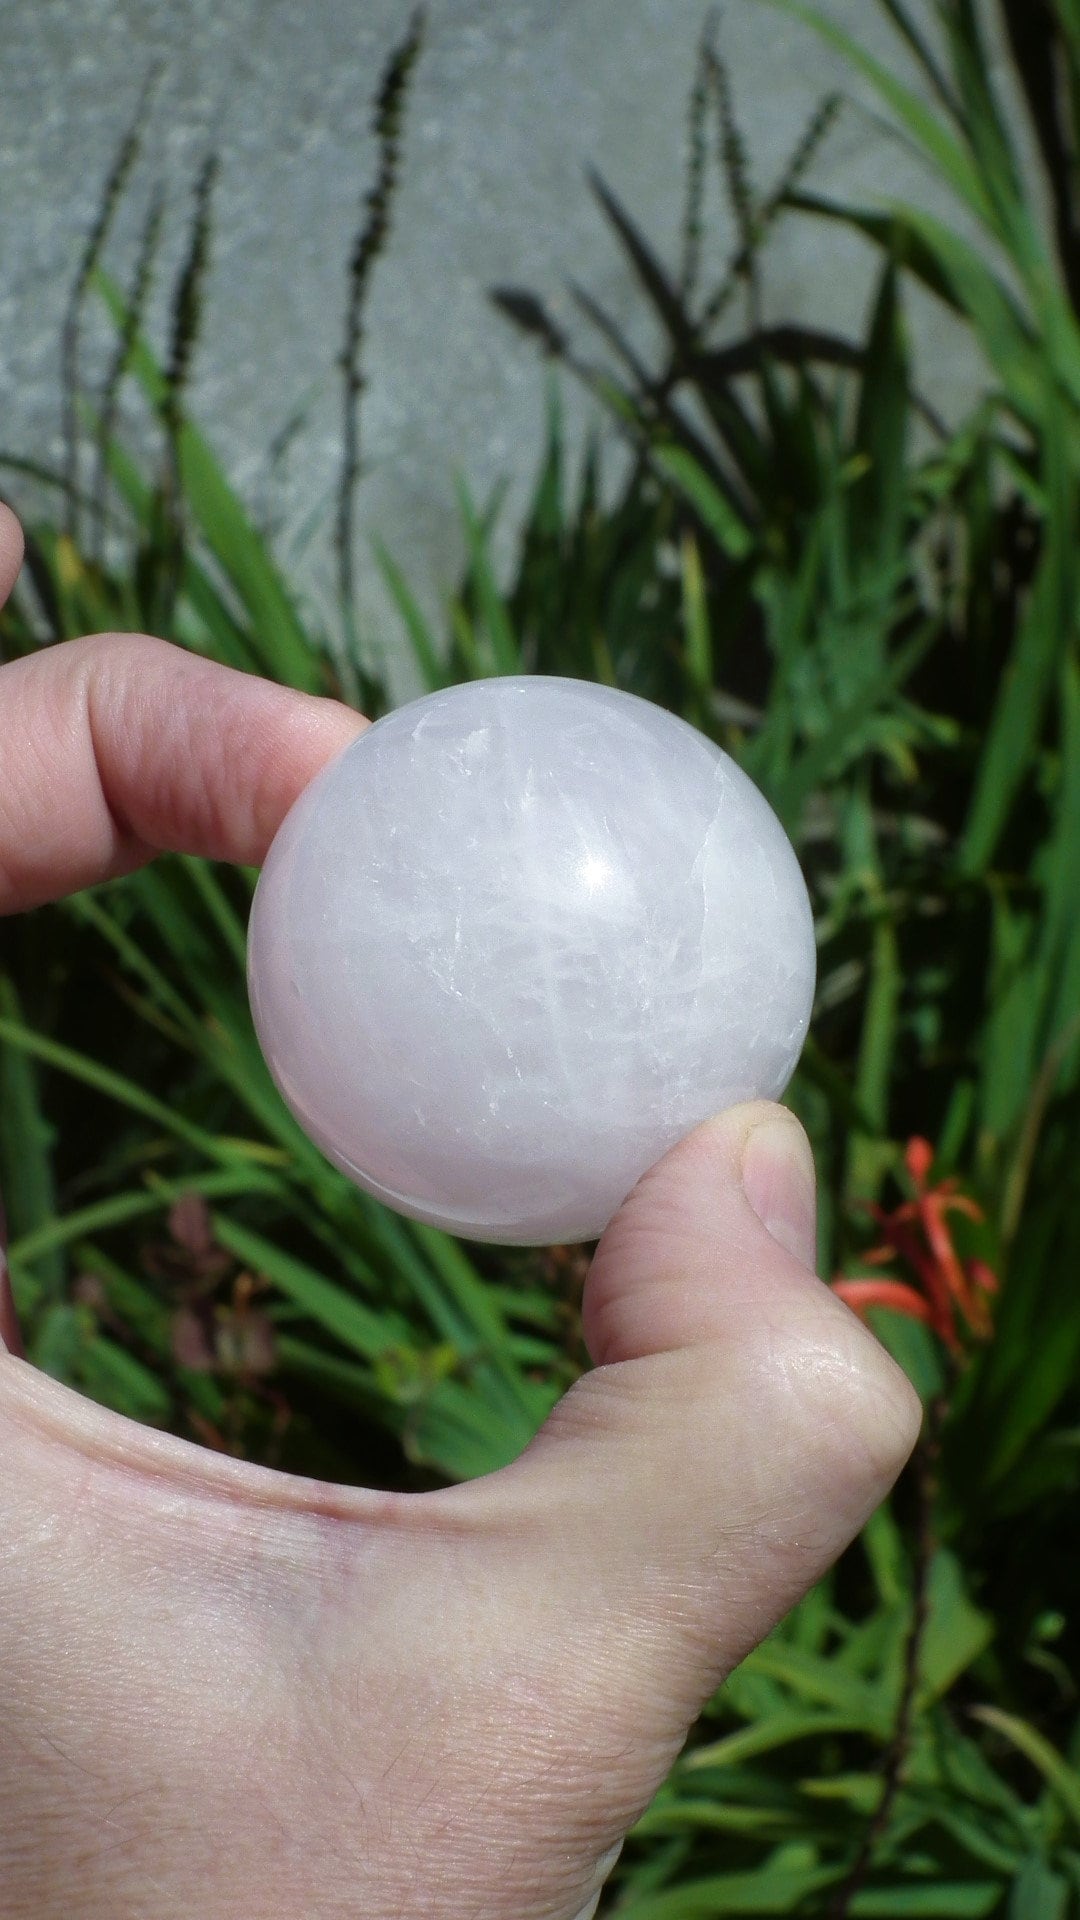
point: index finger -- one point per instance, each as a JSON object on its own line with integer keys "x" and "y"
{"x": 119, "y": 746}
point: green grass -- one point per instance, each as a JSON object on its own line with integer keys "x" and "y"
{"x": 881, "y": 626}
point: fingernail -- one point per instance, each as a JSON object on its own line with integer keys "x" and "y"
{"x": 778, "y": 1180}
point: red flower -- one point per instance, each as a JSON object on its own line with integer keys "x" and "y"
{"x": 945, "y": 1287}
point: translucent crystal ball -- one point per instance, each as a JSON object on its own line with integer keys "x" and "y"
{"x": 514, "y": 942}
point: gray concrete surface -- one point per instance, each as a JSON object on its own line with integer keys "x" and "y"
{"x": 511, "y": 102}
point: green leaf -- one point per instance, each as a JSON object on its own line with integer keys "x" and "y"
{"x": 780, "y": 1730}
{"x": 115, "y": 1378}
{"x": 1060, "y": 946}
{"x": 356, "y": 1326}
{"x": 859, "y": 1791}
{"x": 945, "y": 1900}
{"x": 883, "y": 1545}
{"x": 219, "y": 631}
{"x": 1038, "y": 1893}
{"x": 1062, "y": 1779}
{"x": 57, "y": 1339}
{"x": 827, "y": 756}
{"x": 243, "y": 556}
{"x": 949, "y": 267}
{"x": 880, "y": 500}
{"x": 472, "y": 1306}
{"x": 496, "y": 617}
{"x": 219, "y": 909}
{"x": 456, "y": 1429}
{"x": 957, "y": 1632}
{"x": 823, "y": 1682}
{"x": 118, "y": 1087}
{"x": 972, "y": 1825}
{"x": 120, "y": 1208}
{"x": 420, "y": 635}
{"x": 915, "y": 1347}
{"x": 344, "y": 1379}
{"x": 789, "y": 1879}
{"x": 720, "y": 1816}
{"x": 26, "y": 1165}
{"x": 923, "y": 52}
{"x": 951, "y": 161}
{"x": 1047, "y": 630}
{"x": 716, "y": 512}
{"x": 144, "y": 1315}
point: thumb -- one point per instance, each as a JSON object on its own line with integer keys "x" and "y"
{"x": 740, "y": 1425}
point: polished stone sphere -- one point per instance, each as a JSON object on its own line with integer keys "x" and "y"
{"x": 516, "y": 941}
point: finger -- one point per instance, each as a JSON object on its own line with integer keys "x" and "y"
{"x": 119, "y": 746}
{"x": 740, "y": 1425}
{"x": 11, "y": 551}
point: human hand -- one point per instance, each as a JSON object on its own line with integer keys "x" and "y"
{"x": 230, "y": 1692}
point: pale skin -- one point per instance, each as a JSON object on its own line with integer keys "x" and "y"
{"x": 230, "y": 1692}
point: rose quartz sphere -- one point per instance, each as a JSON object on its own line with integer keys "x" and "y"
{"x": 516, "y": 941}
